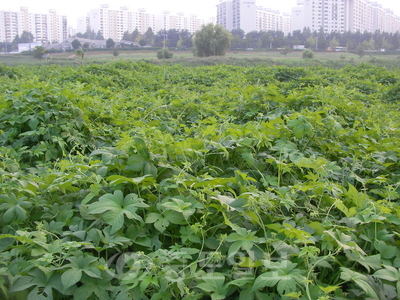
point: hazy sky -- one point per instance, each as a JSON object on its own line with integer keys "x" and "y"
{"x": 203, "y": 8}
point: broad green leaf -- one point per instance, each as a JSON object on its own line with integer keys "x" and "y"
{"x": 360, "y": 279}
{"x": 300, "y": 127}
{"x": 70, "y": 277}
{"x": 385, "y": 250}
{"x": 114, "y": 207}
{"x": 283, "y": 275}
{"x": 389, "y": 273}
{"x": 178, "y": 205}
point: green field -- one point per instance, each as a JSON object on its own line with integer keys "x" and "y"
{"x": 241, "y": 58}
{"x": 136, "y": 180}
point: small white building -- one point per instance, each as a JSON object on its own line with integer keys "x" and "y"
{"x": 27, "y": 46}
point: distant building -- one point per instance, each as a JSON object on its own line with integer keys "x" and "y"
{"x": 343, "y": 15}
{"x": 45, "y": 28}
{"x": 167, "y": 21}
{"x": 245, "y": 15}
{"x": 114, "y": 23}
{"x": 268, "y": 19}
{"x": 28, "y": 46}
{"x": 83, "y": 24}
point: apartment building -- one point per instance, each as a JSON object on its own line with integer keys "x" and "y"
{"x": 225, "y": 14}
{"x": 343, "y": 15}
{"x": 45, "y": 28}
{"x": 268, "y": 19}
{"x": 8, "y": 25}
{"x": 166, "y": 21}
{"x": 245, "y": 15}
{"x": 113, "y": 23}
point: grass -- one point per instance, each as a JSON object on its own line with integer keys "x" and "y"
{"x": 243, "y": 58}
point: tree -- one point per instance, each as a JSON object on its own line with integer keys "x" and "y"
{"x": 164, "y": 54}
{"x": 134, "y": 35}
{"x": 186, "y": 38}
{"x": 126, "y": 36}
{"x": 81, "y": 53}
{"x": 38, "y": 52}
{"x": 308, "y": 53}
{"x": 26, "y": 37}
{"x": 334, "y": 43}
{"x": 116, "y": 52}
{"x": 99, "y": 36}
{"x": 110, "y": 43}
{"x": 238, "y": 32}
{"x": 285, "y": 51}
{"x": 75, "y": 44}
{"x": 142, "y": 42}
{"x": 211, "y": 40}
{"x": 396, "y": 40}
{"x": 360, "y": 50}
{"x": 149, "y": 36}
{"x": 369, "y": 45}
{"x": 16, "y": 40}
{"x": 310, "y": 42}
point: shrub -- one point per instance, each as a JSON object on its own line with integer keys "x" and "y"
{"x": 307, "y": 53}
{"x": 164, "y": 54}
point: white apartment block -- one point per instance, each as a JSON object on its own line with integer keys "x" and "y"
{"x": 225, "y": 14}
{"x": 8, "y": 25}
{"x": 343, "y": 15}
{"x": 44, "y": 27}
{"x": 83, "y": 24}
{"x": 166, "y": 21}
{"x": 113, "y": 23}
{"x": 245, "y": 15}
{"x": 316, "y": 14}
{"x": 268, "y": 19}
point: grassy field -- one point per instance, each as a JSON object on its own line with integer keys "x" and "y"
{"x": 187, "y": 58}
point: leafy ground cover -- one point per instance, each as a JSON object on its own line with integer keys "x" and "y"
{"x": 135, "y": 181}
{"x": 240, "y": 58}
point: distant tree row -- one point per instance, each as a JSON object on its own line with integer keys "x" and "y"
{"x": 172, "y": 38}
{"x": 320, "y": 40}
{"x": 315, "y": 40}
{"x": 91, "y": 35}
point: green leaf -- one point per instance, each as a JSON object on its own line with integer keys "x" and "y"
{"x": 384, "y": 249}
{"x": 389, "y": 273}
{"x": 70, "y": 277}
{"x": 22, "y": 283}
{"x": 360, "y": 279}
{"x": 214, "y": 284}
{"x": 329, "y": 289}
{"x": 114, "y": 207}
{"x": 300, "y": 127}
{"x": 283, "y": 275}
{"x": 234, "y": 248}
{"x": 180, "y": 206}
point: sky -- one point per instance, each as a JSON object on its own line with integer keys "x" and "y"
{"x": 203, "y": 9}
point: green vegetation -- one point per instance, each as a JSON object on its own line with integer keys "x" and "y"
{"x": 38, "y": 52}
{"x": 211, "y": 40}
{"x": 238, "y": 58}
{"x": 164, "y": 54}
{"x": 307, "y": 54}
{"x": 135, "y": 181}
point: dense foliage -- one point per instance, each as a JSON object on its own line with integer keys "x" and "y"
{"x": 134, "y": 181}
{"x": 211, "y": 40}
{"x": 315, "y": 40}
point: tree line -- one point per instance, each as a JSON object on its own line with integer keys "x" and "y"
{"x": 238, "y": 39}
{"x": 316, "y": 40}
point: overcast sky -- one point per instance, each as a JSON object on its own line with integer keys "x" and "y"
{"x": 203, "y": 8}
